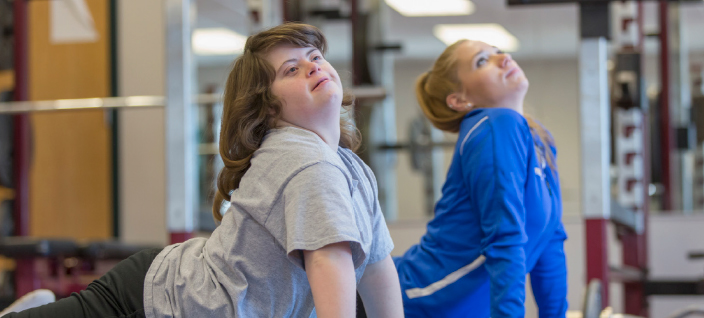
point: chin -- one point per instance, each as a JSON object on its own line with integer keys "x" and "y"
{"x": 523, "y": 85}
{"x": 333, "y": 97}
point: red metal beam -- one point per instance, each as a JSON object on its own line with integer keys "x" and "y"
{"x": 666, "y": 135}
{"x": 633, "y": 247}
{"x": 284, "y": 11}
{"x": 180, "y": 237}
{"x": 597, "y": 255}
{"x": 25, "y": 274}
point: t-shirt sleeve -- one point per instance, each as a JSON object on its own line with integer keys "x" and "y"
{"x": 318, "y": 211}
{"x": 382, "y": 245}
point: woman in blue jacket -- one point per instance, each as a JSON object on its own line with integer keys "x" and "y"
{"x": 499, "y": 217}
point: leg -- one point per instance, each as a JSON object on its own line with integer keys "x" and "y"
{"x": 119, "y": 293}
{"x": 361, "y": 313}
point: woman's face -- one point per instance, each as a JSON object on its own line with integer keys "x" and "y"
{"x": 489, "y": 77}
{"x": 307, "y": 85}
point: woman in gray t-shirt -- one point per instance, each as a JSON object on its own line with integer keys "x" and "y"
{"x": 304, "y": 230}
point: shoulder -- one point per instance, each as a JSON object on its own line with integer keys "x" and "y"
{"x": 356, "y": 163}
{"x": 294, "y": 147}
{"x": 285, "y": 153}
{"x": 352, "y": 157}
{"x": 493, "y": 123}
{"x": 320, "y": 173}
{"x": 497, "y": 116}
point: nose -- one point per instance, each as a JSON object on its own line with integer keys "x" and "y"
{"x": 504, "y": 59}
{"x": 313, "y": 68}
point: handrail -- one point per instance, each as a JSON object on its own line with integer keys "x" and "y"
{"x": 361, "y": 93}
{"x": 81, "y": 103}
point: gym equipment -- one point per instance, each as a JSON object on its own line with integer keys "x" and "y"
{"x": 677, "y": 287}
{"x": 692, "y": 311}
{"x": 424, "y": 146}
{"x": 592, "y": 300}
{"x": 593, "y": 303}
{"x": 62, "y": 265}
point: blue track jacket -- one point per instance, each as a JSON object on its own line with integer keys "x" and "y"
{"x": 499, "y": 218}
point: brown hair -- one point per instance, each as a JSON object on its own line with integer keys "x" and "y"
{"x": 433, "y": 87}
{"x": 250, "y": 109}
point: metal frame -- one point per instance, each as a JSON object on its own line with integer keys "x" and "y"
{"x": 595, "y": 155}
{"x": 180, "y": 122}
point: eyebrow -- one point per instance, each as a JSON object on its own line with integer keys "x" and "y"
{"x": 294, "y": 59}
{"x": 482, "y": 51}
{"x": 477, "y": 54}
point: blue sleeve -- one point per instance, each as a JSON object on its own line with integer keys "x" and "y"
{"x": 549, "y": 278}
{"x": 494, "y": 165}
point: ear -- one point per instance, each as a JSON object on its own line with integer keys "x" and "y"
{"x": 458, "y": 103}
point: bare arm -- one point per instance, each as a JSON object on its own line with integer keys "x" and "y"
{"x": 381, "y": 291}
{"x": 331, "y": 276}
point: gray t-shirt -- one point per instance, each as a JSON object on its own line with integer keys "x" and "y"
{"x": 297, "y": 195}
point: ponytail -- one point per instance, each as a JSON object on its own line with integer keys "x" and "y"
{"x": 545, "y": 138}
{"x": 433, "y": 87}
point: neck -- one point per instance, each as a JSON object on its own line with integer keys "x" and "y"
{"x": 515, "y": 104}
{"x": 518, "y": 108}
{"x": 330, "y": 135}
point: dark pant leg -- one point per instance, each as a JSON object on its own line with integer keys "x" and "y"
{"x": 361, "y": 313}
{"x": 119, "y": 293}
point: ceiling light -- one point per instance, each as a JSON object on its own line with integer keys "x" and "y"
{"x": 491, "y": 33}
{"x": 423, "y": 8}
{"x": 217, "y": 41}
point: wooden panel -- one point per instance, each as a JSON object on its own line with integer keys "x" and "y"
{"x": 6, "y": 194}
{"x": 7, "y": 80}
{"x": 70, "y": 178}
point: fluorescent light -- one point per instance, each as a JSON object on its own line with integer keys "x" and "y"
{"x": 217, "y": 41}
{"x": 422, "y": 8}
{"x": 491, "y": 33}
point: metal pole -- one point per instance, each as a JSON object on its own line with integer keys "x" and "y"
{"x": 115, "y": 131}
{"x": 356, "y": 65}
{"x": 385, "y": 161}
{"x": 26, "y": 278}
{"x": 271, "y": 14}
{"x": 665, "y": 126}
{"x": 180, "y": 122}
{"x": 682, "y": 160}
{"x": 285, "y": 13}
{"x": 21, "y": 122}
{"x": 594, "y": 127}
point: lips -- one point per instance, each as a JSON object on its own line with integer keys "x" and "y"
{"x": 511, "y": 71}
{"x": 321, "y": 81}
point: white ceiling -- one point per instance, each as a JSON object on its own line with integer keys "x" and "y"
{"x": 544, "y": 31}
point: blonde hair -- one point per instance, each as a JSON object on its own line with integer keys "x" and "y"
{"x": 433, "y": 87}
{"x": 250, "y": 110}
